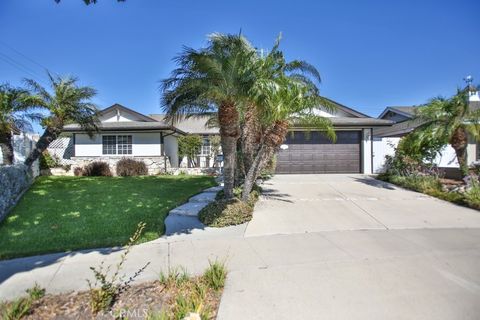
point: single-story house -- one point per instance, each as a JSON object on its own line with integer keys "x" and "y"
{"x": 386, "y": 139}
{"x": 307, "y": 151}
{"x": 123, "y": 132}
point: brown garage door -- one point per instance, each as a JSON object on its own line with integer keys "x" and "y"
{"x": 312, "y": 152}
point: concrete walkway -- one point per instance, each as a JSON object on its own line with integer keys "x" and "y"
{"x": 395, "y": 269}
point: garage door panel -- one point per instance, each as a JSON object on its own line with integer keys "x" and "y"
{"x": 314, "y": 153}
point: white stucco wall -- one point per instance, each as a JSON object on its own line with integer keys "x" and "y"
{"x": 367, "y": 151}
{"x": 143, "y": 144}
{"x": 386, "y": 146}
{"x": 171, "y": 150}
{"x": 383, "y": 147}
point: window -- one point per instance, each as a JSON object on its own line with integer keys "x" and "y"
{"x": 121, "y": 144}
{"x": 124, "y": 144}
{"x": 206, "y": 148}
{"x": 109, "y": 144}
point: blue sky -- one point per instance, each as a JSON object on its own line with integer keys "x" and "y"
{"x": 371, "y": 54}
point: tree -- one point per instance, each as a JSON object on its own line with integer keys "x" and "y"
{"x": 67, "y": 103}
{"x": 450, "y": 120}
{"x": 189, "y": 146}
{"x": 289, "y": 102}
{"x": 16, "y": 106}
{"x": 215, "y": 78}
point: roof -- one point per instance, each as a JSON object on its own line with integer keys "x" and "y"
{"x": 123, "y": 108}
{"x": 398, "y": 129}
{"x": 408, "y": 112}
{"x": 366, "y": 121}
{"x": 126, "y": 125}
{"x": 346, "y": 109}
{"x": 194, "y": 124}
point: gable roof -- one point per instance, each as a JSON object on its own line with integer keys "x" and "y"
{"x": 408, "y": 112}
{"x": 118, "y": 106}
{"x": 346, "y": 109}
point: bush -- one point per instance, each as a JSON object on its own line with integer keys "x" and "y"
{"x": 223, "y": 212}
{"x": 215, "y": 275}
{"x": 97, "y": 169}
{"x": 47, "y": 161}
{"x": 472, "y": 195}
{"x": 130, "y": 167}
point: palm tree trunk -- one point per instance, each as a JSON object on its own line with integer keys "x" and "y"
{"x": 459, "y": 142}
{"x": 42, "y": 144}
{"x": 6, "y": 144}
{"x": 229, "y": 134}
{"x": 251, "y": 137}
{"x": 273, "y": 138}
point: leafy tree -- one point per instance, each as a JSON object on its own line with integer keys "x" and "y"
{"x": 450, "y": 120}
{"x": 16, "y": 112}
{"x": 215, "y": 78}
{"x": 189, "y": 146}
{"x": 66, "y": 103}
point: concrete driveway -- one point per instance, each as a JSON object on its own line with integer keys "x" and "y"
{"x": 314, "y": 203}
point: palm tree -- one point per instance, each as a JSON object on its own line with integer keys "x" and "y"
{"x": 16, "y": 106}
{"x": 289, "y": 102}
{"x": 216, "y": 78}
{"x": 451, "y": 120}
{"x": 67, "y": 103}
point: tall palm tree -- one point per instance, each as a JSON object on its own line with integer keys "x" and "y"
{"x": 216, "y": 78}
{"x": 451, "y": 120}
{"x": 289, "y": 102}
{"x": 16, "y": 112}
{"x": 66, "y": 103}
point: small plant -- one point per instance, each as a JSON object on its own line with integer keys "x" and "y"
{"x": 36, "y": 292}
{"x": 472, "y": 195}
{"x": 190, "y": 307}
{"x": 21, "y": 307}
{"x": 174, "y": 278}
{"x": 131, "y": 167}
{"x": 106, "y": 289}
{"x": 215, "y": 275}
{"x": 97, "y": 169}
{"x": 16, "y": 309}
{"x": 47, "y": 161}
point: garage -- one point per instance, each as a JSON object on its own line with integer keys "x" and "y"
{"x": 312, "y": 152}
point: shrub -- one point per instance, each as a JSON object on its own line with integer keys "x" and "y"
{"x": 97, "y": 169}
{"x": 106, "y": 287}
{"x": 215, "y": 275}
{"x": 472, "y": 195}
{"x": 223, "y": 212}
{"x": 21, "y": 307}
{"x": 189, "y": 146}
{"x": 130, "y": 167}
{"x": 78, "y": 172}
{"x": 47, "y": 161}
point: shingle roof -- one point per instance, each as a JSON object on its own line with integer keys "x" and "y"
{"x": 194, "y": 125}
{"x": 126, "y": 125}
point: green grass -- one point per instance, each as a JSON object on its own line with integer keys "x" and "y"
{"x": 60, "y": 214}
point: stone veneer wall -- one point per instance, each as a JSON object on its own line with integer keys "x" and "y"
{"x": 155, "y": 165}
{"x": 14, "y": 181}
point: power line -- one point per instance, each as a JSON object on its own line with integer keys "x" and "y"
{"x": 23, "y": 55}
{"x": 20, "y": 67}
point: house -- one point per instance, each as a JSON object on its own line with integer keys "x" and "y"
{"x": 123, "y": 132}
{"x": 309, "y": 151}
{"x": 197, "y": 125}
{"x": 386, "y": 139}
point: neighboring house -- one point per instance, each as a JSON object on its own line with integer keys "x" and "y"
{"x": 309, "y": 151}
{"x": 386, "y": 139}
{"x": 123, "y": 132}
{"x": 23, "y": 143}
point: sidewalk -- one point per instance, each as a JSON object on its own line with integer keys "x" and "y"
{"x": 374, "y": 274}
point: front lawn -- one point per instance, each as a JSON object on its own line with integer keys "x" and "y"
{"x": 69, "y": 213}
